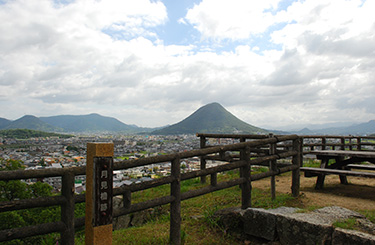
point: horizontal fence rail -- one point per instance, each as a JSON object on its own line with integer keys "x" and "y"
{"x": 329, "y": 142}
{"x": 241, "y": 157}
{"x": 248, "y": 150}
{"x": 311, "y": 145}
{"x": 310, "y": 142}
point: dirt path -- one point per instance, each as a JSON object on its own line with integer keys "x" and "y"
{"x": 358, "y": 195}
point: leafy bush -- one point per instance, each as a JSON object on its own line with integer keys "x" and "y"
{"x": 16, "y": 190}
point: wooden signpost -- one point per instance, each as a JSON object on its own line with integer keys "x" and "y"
{"x": 99, "y": 182}
{"x": 103, "y": 179}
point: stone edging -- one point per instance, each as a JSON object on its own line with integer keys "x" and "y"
{"x": 289, "y": 226}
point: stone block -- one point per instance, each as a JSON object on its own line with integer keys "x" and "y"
{"x": 304, "y": 229}
{"x": 349, "y": 237}
{"x": 261, "y": 223}
{"x": 121, "y": 222}
{"x": 287, "y": 226}
{"x": 230, "y": 219}
{"x": 338, "y": 213}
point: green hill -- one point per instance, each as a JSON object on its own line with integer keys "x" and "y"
{"x": 211, "y": 118}
{"x": 88, "y": 123}
{"x": 28, "y": 133}
{"x": 4, "y": 122}
{"x": 72, "y": 123}
{"x": 31, "y": 122}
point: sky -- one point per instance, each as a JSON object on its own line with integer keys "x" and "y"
{"x": 271, "y": 63}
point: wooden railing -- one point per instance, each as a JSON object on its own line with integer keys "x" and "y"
{"x": 241, "y": 161}
{"x": 330, "y": 142}
{"x": 310, "y": 142}
{"x": 66, "y": 201}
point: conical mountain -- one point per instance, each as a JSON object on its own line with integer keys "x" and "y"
{"x": 211, "y": 118}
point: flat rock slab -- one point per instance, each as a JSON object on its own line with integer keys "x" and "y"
{"x": 343, "y": 236}
{"x": 311, "y": 228}
{"x": 291, "y": 226}
{"x": 300, "y": 228}
{"x": 262, "y": 223}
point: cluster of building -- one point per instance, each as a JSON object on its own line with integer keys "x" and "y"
{"x": 55, "y": 152}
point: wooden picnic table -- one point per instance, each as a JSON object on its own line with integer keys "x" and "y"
{"x": 343, "y": 162}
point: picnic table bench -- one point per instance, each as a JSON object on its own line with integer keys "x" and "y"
{"x": 343, "y": 162}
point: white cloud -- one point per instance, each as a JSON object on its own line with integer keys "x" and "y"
{"x": 107, "y": 57}
{"x": 232, "y": 19}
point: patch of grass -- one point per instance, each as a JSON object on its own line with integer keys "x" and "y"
{"x": 259, "y": 169}
{"x": 209, "y": 217}
{"x": 262, "y": 199}
{"x": 197, "y": 226}
{"x": 349, "y": 224}
{"x": 79, "y": 238}
{"x": 308, "y": 209}
{"x": 312, "y": 163}
{"x": 150, "y": 233}
{"x": 369, "y": 214}
{"x": 231, "y": 174}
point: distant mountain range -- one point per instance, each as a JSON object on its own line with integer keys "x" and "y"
{"x": 73, "y": 124}
{"x": 29, "y": 133}
{"x": 31, "y": 122}
{"x": 88, "y": 123}
{"x": 357, "y": 129}
{"x": 4, "y": 122}
{"x": 211, "y": 118}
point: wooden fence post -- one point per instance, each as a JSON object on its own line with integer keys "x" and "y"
{"x": 272, "y": 167}
{"x": 96, "y": 234}
{"x": 67, "y": 209}
{"x": 342, "y": 144}
{"x": 245, "y": 172}
{"x": 324, "y": 142}
{"x": 297, "y": 161}
{"x": 126, "y": 199}
{"x": 213, "y": 179}
{"x": 175, "y": 212}
{"x": 359, "y": 144}
{"x": 202, "y": 158}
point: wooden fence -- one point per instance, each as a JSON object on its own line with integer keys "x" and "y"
{"x": 310, "y": 142}
{"x": 329, "y": 142}
{"x": 253, "y": 150}
{"x": 241, "y": 161}
{"x": 311, "y": 145}
{"x": 66, "y": 200}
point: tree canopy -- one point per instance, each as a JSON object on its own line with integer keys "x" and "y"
{"x": 28, "y": 133}
{"x": 17, "y": 189}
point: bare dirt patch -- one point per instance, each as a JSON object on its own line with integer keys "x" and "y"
{"x": 359, "y": 194}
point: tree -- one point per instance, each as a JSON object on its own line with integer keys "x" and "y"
{"x": 16, "y": 189}
{"x": 72, "y": 148}
{"x": 10, "y": 165}
{"x": 42, "y": 162}
{"x": 13, "y": 189}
